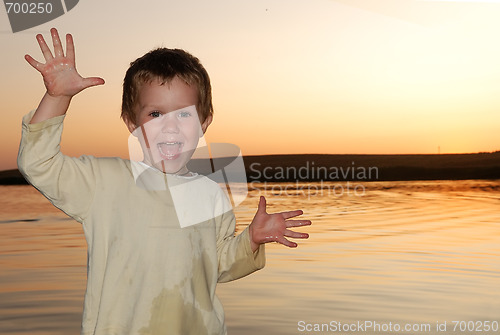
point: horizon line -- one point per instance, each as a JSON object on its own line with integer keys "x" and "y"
{"x": 323, "y": 154}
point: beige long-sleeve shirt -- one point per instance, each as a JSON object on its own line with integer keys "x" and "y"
{"x": 146, "y": 274}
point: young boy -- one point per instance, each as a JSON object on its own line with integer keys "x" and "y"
{"x": 147, "y": 272}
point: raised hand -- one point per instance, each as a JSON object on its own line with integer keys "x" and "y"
{"x": 274, "y": 227}
{"x": 59, "y": 71}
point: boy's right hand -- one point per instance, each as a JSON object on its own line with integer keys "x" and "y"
{"x": 59, "y": 72}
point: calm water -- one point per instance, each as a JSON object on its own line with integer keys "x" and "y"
{"x": 395, "y": 253}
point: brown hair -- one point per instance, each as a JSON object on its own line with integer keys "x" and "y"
{"x": 166, "y": 64}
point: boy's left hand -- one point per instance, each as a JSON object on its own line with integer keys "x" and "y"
{"x": 274, "y": 227}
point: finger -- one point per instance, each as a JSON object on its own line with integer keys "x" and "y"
{"x": 291, "y": 214}
{"x": 294, "y": 234}
{"x": 92, "y": 81}
{"x": 56, "y": 41}
{"x": 70, "y": 48}
{"x": 262, "y": 205}
{"x": 286, "y": 242}
{"x": 33, "y": 62}
{"x": 297, "y": 223}
{"x": 43, "y": 46}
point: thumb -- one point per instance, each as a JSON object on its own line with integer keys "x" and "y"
{"x": 262, "y": 205}
{"x": 92, "y": 81}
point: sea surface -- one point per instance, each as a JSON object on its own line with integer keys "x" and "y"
{"x": 418, "y": 257}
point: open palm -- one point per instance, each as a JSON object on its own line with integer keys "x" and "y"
{"x": 59, "y": 71}
{"x": 267, "y": 227}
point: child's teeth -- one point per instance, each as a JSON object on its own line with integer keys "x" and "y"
{"x": 169, "y": 149}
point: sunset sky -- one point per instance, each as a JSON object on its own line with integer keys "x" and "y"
{"x": 288, "y": 76}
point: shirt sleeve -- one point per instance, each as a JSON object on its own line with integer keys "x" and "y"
{"x": 235, "y": 255}
{"x": 67, "y": 182}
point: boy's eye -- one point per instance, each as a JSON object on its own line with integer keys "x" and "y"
{"x": 155, "y": 114}
{"x": 184, "y": 114}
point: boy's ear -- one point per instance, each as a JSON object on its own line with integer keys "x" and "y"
{"x": 205, "y": 124}
{"x": 130, "y": 125}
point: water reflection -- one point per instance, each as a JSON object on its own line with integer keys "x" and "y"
{"x": 402, "y": 252}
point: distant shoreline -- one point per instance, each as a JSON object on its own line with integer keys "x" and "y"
{"x": 318, "y": 167}
{"x": 373, "y": 167}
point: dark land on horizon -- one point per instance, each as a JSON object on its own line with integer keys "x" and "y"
{"x": 317, "y": 167}
{"x": 376, "y": 167}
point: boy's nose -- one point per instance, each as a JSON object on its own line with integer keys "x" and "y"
{"x": 169, "y": 124}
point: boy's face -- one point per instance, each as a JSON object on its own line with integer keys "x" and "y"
{"x": 167, "y": 124}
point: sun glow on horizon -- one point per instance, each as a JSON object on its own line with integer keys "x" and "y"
{"x": 324, "y": 76}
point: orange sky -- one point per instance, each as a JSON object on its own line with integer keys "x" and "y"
{"x": 344, "y": 76}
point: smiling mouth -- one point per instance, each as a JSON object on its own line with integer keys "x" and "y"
{"x": 170, "y": 150}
